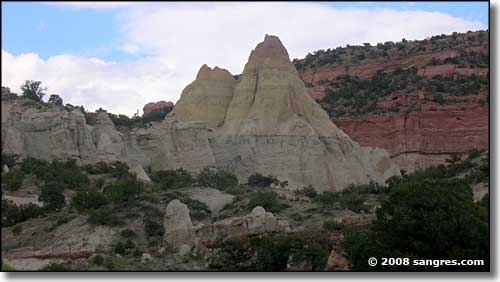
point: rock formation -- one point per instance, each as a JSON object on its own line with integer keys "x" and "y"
{"x": 140, "y": 174}
{"x": 262, "y": 122}
{"x": 268, "y": 124}
{"x": 177, "y": 224}
{"x": 414, "y": 138}
{"x": 257, "y": 222}
{"x": 149, "y": 107}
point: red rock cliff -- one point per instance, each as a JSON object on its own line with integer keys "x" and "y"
{"x": 425, "y": 136}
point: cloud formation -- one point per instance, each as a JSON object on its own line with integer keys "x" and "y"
{"x": 178, "y": 38}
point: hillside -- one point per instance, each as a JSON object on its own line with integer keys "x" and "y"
{"x": 419, "y": 100}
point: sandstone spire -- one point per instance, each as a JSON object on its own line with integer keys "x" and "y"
{"x": 271, "y": 99}
{"x": 207, "y": 98}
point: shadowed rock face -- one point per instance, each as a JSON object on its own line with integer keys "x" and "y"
{"x": 264, "y": 122}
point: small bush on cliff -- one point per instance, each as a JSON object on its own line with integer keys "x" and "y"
{"x": 52, "y": 196}
{"x": 116, "y": 169}
{"x": 89, "y": 200}
{"x": 173, "y": 179}
{"x": 439, "y": 99}
{"x": 13, "y": 214}
{"x": 259, "y": 180}
{"x": 153, "y": 229}
{"x": 13, "y": 180}
{"x": 268, "y": 200}
{"x": 347, "y": 199}
{"x": 124, "y": 190}
{"x": 218, "y": 179}
{"x": 103, "y": 216}
{"x": 124, "y": 248}
{"x": 32, "y": 90}
{"x": 67, "y": 173}
{"x": 9, "y": 160}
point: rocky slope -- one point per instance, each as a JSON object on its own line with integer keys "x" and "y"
{"x": 263, "y": 122}
{"x": 419, "y": 100}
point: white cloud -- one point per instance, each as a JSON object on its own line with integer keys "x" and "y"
{"x": 181, "y": 37}
{"x": 94, "y": 83}
{"x": 129, "y": 48}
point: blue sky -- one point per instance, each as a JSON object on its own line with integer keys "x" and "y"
{"x": 120, "y": 56}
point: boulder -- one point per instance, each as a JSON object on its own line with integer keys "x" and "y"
{"x": 257, "y": 222}
{"x": 149, "y": 107}
{"x": 337, "y": 262}
{"x": 140, "y": 174}
{"x": 178, "y": 226}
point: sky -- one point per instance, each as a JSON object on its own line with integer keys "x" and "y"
{"x": 122, "y": 55}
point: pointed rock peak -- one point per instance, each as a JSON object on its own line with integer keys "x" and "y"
{"x": 271, "y": 46}
{"x": 270, "y": 53}
{"x": 206, "y": 73}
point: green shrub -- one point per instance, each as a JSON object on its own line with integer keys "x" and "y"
{"x": 347, "y": 199}
{"x": 474, "y": 153}
{"x": 13, "y": 214}
{"x": 32, "y": 90}
{"x": 52, "y": 196}
{"x": 65, "y": 172}
{"x": 172, "y": 179}
{"x": 88, "y": 200}
{"x": 273, "y": 252}
{"x": 9, "y": 160}
{"x": 424, "y": 218}
{"x": 124, "y": 248}
{"x": 268, "y": 200}
{"x": 116, "y": 169}
{"x": 195, "y": 205}
{"x": 13, "y": 179}
{"x": 102, "y": 216}
{"x": 218, "y": 179}
{"x": 153, "y": 228}
{"x": 259, "y": 180}
{"x": 439, "y": 99}
{"x": 308, "y": 191}
{"x": 124, "y": 190}
{"x": 98, "y": 260}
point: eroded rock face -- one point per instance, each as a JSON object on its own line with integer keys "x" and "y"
{"x": 207, "y": 98}
{"x": 270, "y": 125}
{"x": 46, "y": 133}
{"x": 426, "y": 138}
{"x": 177, "y": 223}
{"x": 264, "y": 122}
